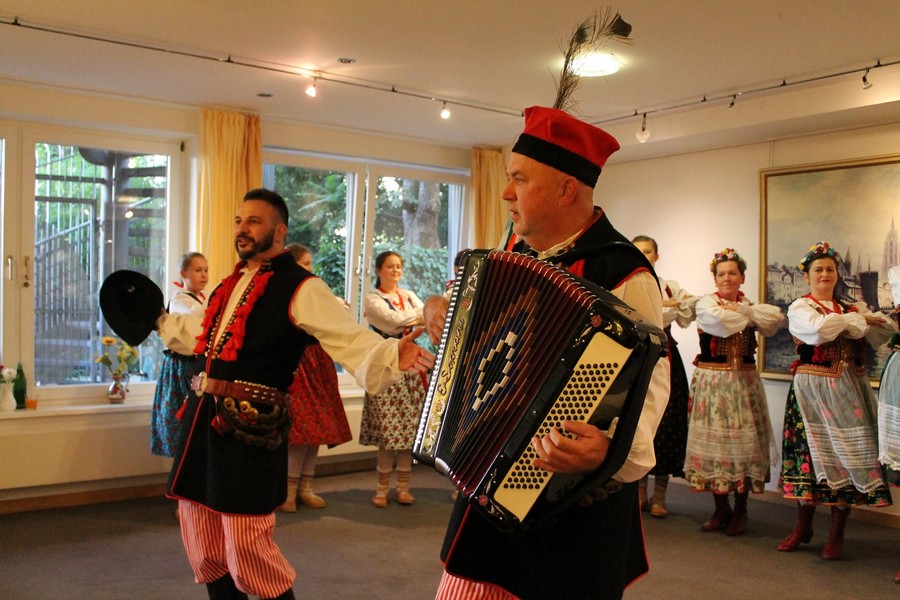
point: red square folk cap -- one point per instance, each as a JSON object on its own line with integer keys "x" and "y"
{"x": 559, "y": 140}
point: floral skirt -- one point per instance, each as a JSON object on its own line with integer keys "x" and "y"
{"x": 730, "y": 443}
{"x": 671, "y": 435}
{"x": 798, "y": 478}
{"x": 390, "y": 419}
{"x": 317, "y": 411}
{"x": 172, "y": 387}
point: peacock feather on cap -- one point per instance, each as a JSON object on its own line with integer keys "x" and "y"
{"x": 592, "y": 35}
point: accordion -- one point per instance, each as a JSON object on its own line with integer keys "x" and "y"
{"x": 525, "y": 346}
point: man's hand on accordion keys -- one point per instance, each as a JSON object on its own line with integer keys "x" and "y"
{"x": 582, "y": 451}
{"x": 412, "y": 357}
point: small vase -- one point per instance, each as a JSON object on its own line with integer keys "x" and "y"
{"x": 117, "y": 389}
{"x": 8, "y": 403}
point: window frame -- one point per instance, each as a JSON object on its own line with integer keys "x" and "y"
{"x": 18, "y": 215}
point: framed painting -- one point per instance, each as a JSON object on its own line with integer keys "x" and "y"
{"x": 855, "y": 207}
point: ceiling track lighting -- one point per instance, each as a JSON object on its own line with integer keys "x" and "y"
{"x": 643, "y": 135}
{"x": 311, "y": 89}
{"x": 445, "y": 112}
{"x": 783, "y": 84}
{"x": 384, "y": 87}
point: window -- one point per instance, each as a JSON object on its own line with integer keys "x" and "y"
{"x": 347, "y": 212}
{"x": 77, "y": 206}
{"x": 317, "y": 201}
{"x": 95, "y": 211}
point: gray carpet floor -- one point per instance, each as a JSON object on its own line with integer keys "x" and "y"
{"x": 351, "y": 550}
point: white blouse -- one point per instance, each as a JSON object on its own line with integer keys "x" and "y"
{"x": 393, "y": 321}
{"x": 810, "y": 326}
{"x": 683, "y": 314}
{"x": 714, "y": 319}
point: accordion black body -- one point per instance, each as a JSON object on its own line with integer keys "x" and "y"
{"x": 526, "y": 346}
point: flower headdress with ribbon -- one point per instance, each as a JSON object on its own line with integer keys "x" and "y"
{"x": 816, "y": 251}
{"x": 726, "y": 255}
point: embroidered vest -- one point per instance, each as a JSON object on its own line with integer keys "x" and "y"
{"x": 272, "y": 345}
{"x": 828, "y": 360}
{"x": 735, "y": 353}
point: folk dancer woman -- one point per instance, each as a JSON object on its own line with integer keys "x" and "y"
{"x": 730, "y": 442}
{"x": 317, "y": 413}
{"x": 830, "y": 453}
{"x": 671, "y": 436}
{"x": 390, "y": 419}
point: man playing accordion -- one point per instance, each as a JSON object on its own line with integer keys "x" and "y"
{"x": 596, "y": 548}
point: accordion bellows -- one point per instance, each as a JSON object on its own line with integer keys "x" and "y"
{"x": 525, "y": 346}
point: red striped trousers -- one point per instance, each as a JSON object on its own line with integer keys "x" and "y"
{"x": 457, "y": 588}
{"x": 242, "y": 545}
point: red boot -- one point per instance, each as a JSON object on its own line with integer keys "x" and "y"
{"x": 834, "y": 547}
{"x": 722, "y": 515}
{"x": 803, "y": 530}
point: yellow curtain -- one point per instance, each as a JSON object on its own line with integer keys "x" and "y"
{"x": 488, "y": 181}
{"x": 230, "y": 164}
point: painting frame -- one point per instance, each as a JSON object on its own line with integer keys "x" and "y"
{"x": 851, "y": 204}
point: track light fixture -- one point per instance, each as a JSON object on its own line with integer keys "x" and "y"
{"x": 445, "y": 112}
{"x": 733, "y": 98}
{"x": 643, "y": 135}
{"x": 311, "y": 89}
{"x": 865, "y": 80}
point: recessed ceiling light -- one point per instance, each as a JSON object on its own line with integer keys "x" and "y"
{"x": 346, "y": 61}
{"x": 596, "y": 64}
{"x": 264, "y": 95}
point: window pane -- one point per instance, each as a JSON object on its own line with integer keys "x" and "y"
{"x": 317, "y": 205}
{"x": 411, "y": 219}
{"x": 96, "y": 211}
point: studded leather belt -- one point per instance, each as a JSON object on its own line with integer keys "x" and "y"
{"x": 239, "y": 390}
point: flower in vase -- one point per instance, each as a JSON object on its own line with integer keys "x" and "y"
{"x": 126, "y": 356}
{"x": 8, "y": 374}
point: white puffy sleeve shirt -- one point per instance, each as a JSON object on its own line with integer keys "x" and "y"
{"x": 683, "y": 314}
{"x": 186, "y": 316}
{"x": 714, "y": 319}
{"x": 810, "y": 326}
{"x": 642, "y": 293}
{"x": 371, "y": 359}
{"x": 393, "y": 321}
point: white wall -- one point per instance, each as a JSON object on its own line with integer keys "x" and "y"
{"x": 696, "y": 204}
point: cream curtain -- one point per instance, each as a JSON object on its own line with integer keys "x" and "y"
{"x": 230, "y": 164}
{"x": 488, "y": 181}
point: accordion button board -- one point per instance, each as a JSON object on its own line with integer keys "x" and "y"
{"x": 526, "y": 346}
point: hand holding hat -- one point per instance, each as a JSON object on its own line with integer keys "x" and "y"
{"x": 131, "y": 303}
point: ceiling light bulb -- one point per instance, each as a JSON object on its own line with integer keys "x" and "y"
{"x": 445, "y": 112}
{"x": 595, "y": 64}
{"x": 311, "y": 89}
{"x": 866, "y": 83}
{"x": 643, "y": 135}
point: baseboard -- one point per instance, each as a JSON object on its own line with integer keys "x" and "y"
{"x": 331, "y": 465}
{"x": 66, "y": 500}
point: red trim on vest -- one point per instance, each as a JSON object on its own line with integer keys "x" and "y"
{"x": 577, "y": 268}
{"x": 459, "y": 530}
